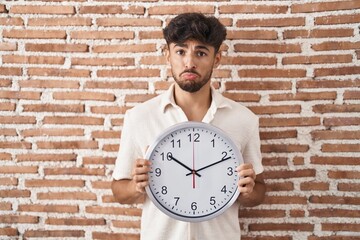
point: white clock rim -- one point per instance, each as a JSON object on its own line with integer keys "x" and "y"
{"x": 190, "y": 124}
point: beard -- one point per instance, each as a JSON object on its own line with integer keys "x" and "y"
{"x": 192, "y": 86}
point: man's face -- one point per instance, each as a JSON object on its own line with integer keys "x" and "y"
{"x": 192, "y": 63}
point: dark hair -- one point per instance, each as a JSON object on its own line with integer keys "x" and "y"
{"x": 197, "y": 26}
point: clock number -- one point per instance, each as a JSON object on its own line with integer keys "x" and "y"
{"x": 169, "y": 156}
{"x": 224, "y": 189}
{"x": 173, "y": 143}
{"x": 196, "y": 137}
{"x": 158, "y": 172}
{"x": 176, "y": 200}
{"x": 224, "y": 155}
{"x": 230, "y": 171}
{"x": 213, "y": 143}
{"x": 164, "y": 190}
{"x": 212, "y": 201}
{"x": 193, "y": 206}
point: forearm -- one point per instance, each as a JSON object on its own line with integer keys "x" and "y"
{"x": 124, "y": 192}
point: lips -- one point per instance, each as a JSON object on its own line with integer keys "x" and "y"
{"x": 189, "y": 76}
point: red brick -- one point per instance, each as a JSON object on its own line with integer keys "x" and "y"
{"x": 151, "y": 35}
{"x": 4, "y": 206}
{"x": 113, "y": 210}
{"x": 336, "y": 71}
{"x": 268, "y": 47}
{"x": 101, "y": 184}
{"x": 254, "y": 213}
{"x": 165, "y": 10}
{"x": 33, "y": 59}
{"x": 11, "y": 219}
{"x": 34, "y": 34}
{"x": 45, "y": 157}
{"x": 340, "y": 148}
{"x": 108, "y": 110}
{"x": 48, "y": 47}
{"x": 253, "y": 85}
{"x": 15, "y": 193}
{"x": 285, "y": 200}
{"x": 248, "y": 61}
{"x": 303, "y": 96}
{"x": 117, "y": 84}
{"x": 309, "y": 186}
{"x": 68, "y": 21}
{"x": 10, "y": 71}
{"x": 17, "y": 120}
{"x": 271, "y": 22}
{"x": 68, "y": 145}
{"x": 277, "y": 148}
{"x": 111, "y": 147}
{"x": 54, "y": 234}
{"x": 20, "y": 95}
{"x": 103, "y": 61}
{"x": 275, "y": 187}
{"x": 283, "y": 122}
{"x": 297, "y": 227}
{"x": 252, "y": 8}
{"x": 106, "y": 134}
{"x": 331, "y": 134}
{"x": 285, "y": 174}
{"x": 5, "y": 156}
{"x": 86, "y": 196}
{"x": 75, "y": 171}
{"x": 99, "y": 160}
{"x": 11, "y": 21}
{"x": 331, "y": 108}
{"x": 353, "y": 227}
{"x": 8, "y": 132}
{"x": 76, "y": 221}
{"x": 128, "y": 73}
{"x": 325, "y": 6}
{"x": 243, "y": 97}
{"x": 58, "y": 72}
{"x": 124, "y": 48}
{"x": 119, "y": 236}
{"x": 335, "y": 160}
{"x": 15, "y": 145}
{"x": 272, "y": 73}
{"x": 344, "y": 174}
{"x": 52, "y": 132}
{"x": 73, "y": 120}
{"x": 134, "y": 22}
{"x": 252, "y": 34}
{"x": 138, "y": 97}
{"x": 35, "y": 9}
{"x": 335, "y": 200}
{"x": 8, "y": 181}
{"x": 275, "y": 109}
{"x": 8, "y": 231}
{"x": 102, "y": 35}
{"x": 49, "y": 84}
{"x": 341, "y": 121}
{"x": 351, "y": 95}
{"x": 106, "y": 9}
{"x": 275, "y": 161}
{"x": 318, "y": 33}
{"x": 5, "y": 82}
{"x": 7, "y": 106}
{"x": 335, "y": 45}
{"x": 317, "y": 59}
{"x": 78, "y": 108}
{"x": 3, "y": 8}
{"x": 126, "y": 224}
{"x": 278, "y": 134}
{"x": 331, "y": 213}
{"x": 349, "y": 187}
{"x": 48, "y": 183}
{"x": 18, "y": 169}
{"x": 4, "y": 46}
{"x": 95, "y": 96}
{"x": 337, "y": 19}
{"x": 328, "y": 84}
{"x": 297, "y": 213}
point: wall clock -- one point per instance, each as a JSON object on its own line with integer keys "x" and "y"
{"x": 193, "y": 174}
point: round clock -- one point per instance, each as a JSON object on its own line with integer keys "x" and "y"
{"x": 193, "y": 173}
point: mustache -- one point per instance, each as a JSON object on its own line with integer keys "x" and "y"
{"x": 190, "y": 71}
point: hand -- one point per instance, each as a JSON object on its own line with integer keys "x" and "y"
{"x": 177, "y": 161}
{"x": 210, "y": 165}
{"x": 140, "y": 174}
{"x": 247, "y": 176}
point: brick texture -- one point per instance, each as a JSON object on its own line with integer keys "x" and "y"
{"x": 69, "y": 70}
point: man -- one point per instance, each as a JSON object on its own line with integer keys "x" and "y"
{"x": 193, "y": 42}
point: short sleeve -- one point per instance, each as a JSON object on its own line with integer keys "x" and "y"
{"x": 128, "y": 152}
{"x": 252, "y": 150}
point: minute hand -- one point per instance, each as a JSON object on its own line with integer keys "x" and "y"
{"x": 177, "y": 161}
{"x": 210, "y": 165}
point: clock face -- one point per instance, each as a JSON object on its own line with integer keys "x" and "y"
{"x": 193, "y": 172}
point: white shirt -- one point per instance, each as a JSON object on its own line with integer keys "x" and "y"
{"x": 143, "y": 123}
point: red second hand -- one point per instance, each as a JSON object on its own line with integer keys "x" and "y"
{"x": 193, "y": 171}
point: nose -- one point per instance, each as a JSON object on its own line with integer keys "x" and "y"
{"x": 190, "y": 62}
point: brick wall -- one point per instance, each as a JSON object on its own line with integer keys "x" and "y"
{"x": 70, "y": 69}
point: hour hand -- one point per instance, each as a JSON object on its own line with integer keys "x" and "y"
{"x": 177, "y": 161}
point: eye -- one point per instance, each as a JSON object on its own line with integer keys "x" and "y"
{"x": 201, "y": 54}
{"x": 180, "y": 52}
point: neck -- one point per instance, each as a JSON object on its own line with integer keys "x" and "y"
{"x": 195, "y": 105}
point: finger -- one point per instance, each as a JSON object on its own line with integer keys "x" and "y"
{"x": 244, "y": 166}
{"x": 247, "y": 173}
{"x": 246, "y": 185}
{"x": 140, "y": 187}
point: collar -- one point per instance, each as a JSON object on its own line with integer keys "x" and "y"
{"x": 218, "y": 100}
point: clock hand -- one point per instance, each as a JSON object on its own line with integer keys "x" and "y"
{"x": 210, "y": 165}
{"x": 192, "y": 171}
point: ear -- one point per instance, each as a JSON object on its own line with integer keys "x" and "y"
{"x": 167, "y": 54}
{"x": 217, "y": 59}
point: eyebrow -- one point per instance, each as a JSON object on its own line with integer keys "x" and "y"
{"x": 196, "y": 47}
